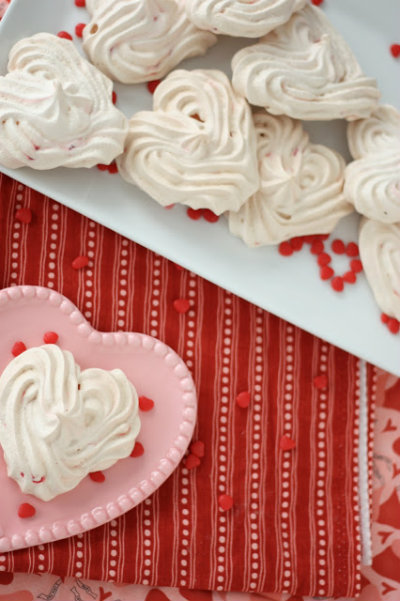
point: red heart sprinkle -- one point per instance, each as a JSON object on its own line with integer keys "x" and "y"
{"x": 225, "y": 502}
{"x": 337, "y": 284}
{"x": 197, "y": 448}
{"x": 50, "y": 337}
{"x": 356, "y": 265}
{"x": 113, "y": 168}
{"x": 384, "y": 318}
{"x": 350, "y": 277}
{"x": 326, "y": 272}
{"x": 317, "y": 247}
{"x": 26, "y": 510}
{"x": 80, "y": 262}
{"x": 285, "y": 249}
{"x": 114, "y": 97}
{"x": 80, "y": 3}
{"x": 152, "y": 85}
{"x": 324, "y": 259}
{"x": 102, "y": 167}
{"x": 18, "y": 348}
{"x": 297, "y": 243}
{"x": 137, "y": 450}
{"x": 286, "y": 443}
{"x": 338, "y": 247}
{"x": 210, "y": 216}
{"x": 145, "y": 404}
{"x": 317, "y": 2}
{"x": 352, "y": 249}
{"x": 393, "y": 325}
{"x": 24, "y": 215}
{"x": 192, "y": 461}
{"x": 320, "y": 382}
{"x": 79, "y": 29}
{"x": 181, "y": 305}
{"x": 243, "y": 399}
{"x": 194, "y": 214}
{"x": 395, "y": 50}
{"x": 65, "y": 35}
{"x": 97, "y": 476}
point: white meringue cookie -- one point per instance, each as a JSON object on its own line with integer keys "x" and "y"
{"x": 141, "y": 40}
{"x": 306, "y": 70}
{"x": 198, "y": 146}
{"x": 58, "y": 423}
{"x": 56, "y": 108}
{"x": 372, "y": 181}
{"x": 242, "y": 18}
{"x": 301, "y": 189}
{"x": 380, "y": 254}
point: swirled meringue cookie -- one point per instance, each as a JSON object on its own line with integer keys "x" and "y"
{"x": 373, "y": 180}
{"x": 58, "y": 423}
{"x": 301, "y": 189}
{"x": 197, "y": 147}
{"x": 306, "y": 70}
{"x": 242, "y": 18}
{"x": 133, "y": 41}
{"x": 380, "y": 254}
{"x": 56, "y": 108}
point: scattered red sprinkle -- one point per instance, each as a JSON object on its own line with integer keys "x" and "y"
{"x": 243, "y": 399}
{"x": 326, "y": 272}
{"x": 337, "y": 284}
{"x": 210, "y": 216}
{"x": 338, "y": 247}
{"x": 102, "y": 167}
{"x": 114, "y": 97}
{"x": 317, "y": 2}
{"x": 225, "y": 502}
{"x": 80, "y": 3}
{"x": 50, "y": 337}
{"x": 97, "y": 476}
{"x": 24, "y": 215}
{"x": 286, "y": 443}
{"x": 395, "y": 50}
{"x": 65, "y": 35}
{"x": 198, "y": 448}
{"x": 80, "y": 262}
{"x": 384, "y": 318}
{"x": 79, "y": 29}
{"x": 321, "y": 382}
{"x": 194, "y": 214}
{"x": 285, "y": 249}
{"x": 152, "y": 85}
{"x": 181, "y": 305}
{"x": 297, "y": 243}
{"x": 350, "y": 277}
{"x": 113, "y": 168}
{"x": 356, "y": 265}
{"x": 42, "y": 479}
{"x": 352, "y": 249}
{"x": 18, "y": 348}
{"x": 393, "y": 325}
{"x": 145, "y": 404}
{"x": 324, "y": 259}
{"x": 317, "y": 247}
{"x": 137, "y": 450}
{"x": 26, "y": 510}
{"x": 192, "y": 461}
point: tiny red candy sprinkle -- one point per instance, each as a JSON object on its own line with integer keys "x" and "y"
{"x": 320, "y": 382}
{"x": 317, "y": 247}
{"x": 338, "y": 247}
{"x": 168, "y": 207}
{"x": 297, "y": 243}
{"x": 352, "y": 249}
{"x": 80, "y": 262}
{"x": 79, "y": 29}
{"x": 317, "y": 2}
{"x": 286, "y": 443}
{"x": 326, "y": 272}
{"x": 113, "y": 168}
{"x": 243, "y": 399}
{"x": 285, "y": 249}
{"x": 210, "y": 216}
{"x": 337, "y": 284}
{"x": 194, "y": 214}
{"x": 152, "y": 85}
{"x": 65, "y": 35}
{"x": 145, "y": 404}
{"x": 24, "y": 215}
{"x": 384, "y": 318}
{"x": 350, "y": 277}
{"x": 114, "y": 97}
{"x": 181, "y": 305}
{"x": 18, "y": 348}
{"x": 197, "y": 448}
{"x": 26, "y": 510}
{"x": 225, "y": 502}
{"x": 97, "y": 476}
{"x": 356, "y": 265}
{"x": 137, "y": 450}
{"x": 102, "y": 167}
{"x": 395, "y": 50}
{"x": 50, "y": 337}
{"x": 393, "y": 325}
{"x": 80, "y": 3}
{"x": 192, "y": 461}
{"x": 324, "y": 259}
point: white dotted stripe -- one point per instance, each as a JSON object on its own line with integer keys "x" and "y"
{"x": 78, "y": 558}
{"x": 113, "y": 538}
{"x": 147, "y": 539}
{"x": 2, "y": 562}
{"x": 16, "y": 236}
{"x": 155, "y": 298}
{"x": 54, "y": 236}
{"x": 91, "y": 243}
{"x": 356, "y": 492}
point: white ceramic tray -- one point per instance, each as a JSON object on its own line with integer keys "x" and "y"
{"x": 288, "y": 287}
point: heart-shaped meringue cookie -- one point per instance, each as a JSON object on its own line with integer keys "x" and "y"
{"x": 301, "y": 187}
{"x": 155, "y": 370}
{"x": 142, "y": 40}
{"x": 56, "y": 108}
{"x": 380, "y": 254}
{"x": 306, "y": 70}
{"x": 242, "y": 18}
{"x": 372, "y": 181}
{"x": 197, "y": 147}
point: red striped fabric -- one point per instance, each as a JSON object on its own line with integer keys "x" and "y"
{"x": 294, "y": 525}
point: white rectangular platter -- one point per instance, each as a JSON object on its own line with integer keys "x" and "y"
{"x": 288, "y": 287}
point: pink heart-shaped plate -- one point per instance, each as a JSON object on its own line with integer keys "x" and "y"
{"x": 157, "y": 372}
